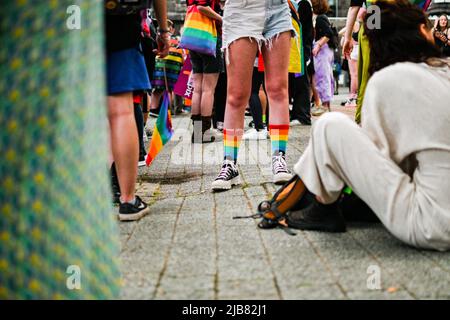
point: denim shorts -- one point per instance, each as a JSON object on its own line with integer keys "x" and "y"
{"x": 260, "y": 20}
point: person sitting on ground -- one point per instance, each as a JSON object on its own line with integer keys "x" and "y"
{"x": 363, "y": 57}
{"x": 398, "y": 162}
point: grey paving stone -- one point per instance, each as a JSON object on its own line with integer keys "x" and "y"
{"x": 309, "y": 292}
{"x": 190, "y": 247}
{"x": 248, "y": 289}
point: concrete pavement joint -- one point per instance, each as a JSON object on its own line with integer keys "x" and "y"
{"x": 380, "y": 263}
{"x": 266, "y": 253}
{"x": 325, "y": 263}
{"x": 167, "y": 257}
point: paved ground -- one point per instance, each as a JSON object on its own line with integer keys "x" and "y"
{"x": 190, "y": 248}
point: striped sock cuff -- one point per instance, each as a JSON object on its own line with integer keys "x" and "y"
{"x": 231, "y": 141}
{"x": 279, "y": 134}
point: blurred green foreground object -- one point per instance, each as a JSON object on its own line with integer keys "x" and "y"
{"x": 58, "y": 237}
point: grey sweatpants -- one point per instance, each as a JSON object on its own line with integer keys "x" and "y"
{"x": 341, "y": 153}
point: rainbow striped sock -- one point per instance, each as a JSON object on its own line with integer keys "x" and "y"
{"x": 231, "y": 141}
{"x": 279, "y": 137}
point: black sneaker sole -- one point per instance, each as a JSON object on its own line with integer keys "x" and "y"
{"x": 332, "y": 226}
{"x": 134, "y": 216}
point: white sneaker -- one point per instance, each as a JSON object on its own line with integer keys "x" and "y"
{"x": 281, "y": 174}
{"x": 295, "y": 123}
{"x": 253, "y": 134}
{"x": 142, "y": 164}
{"x": 227, "y": 178}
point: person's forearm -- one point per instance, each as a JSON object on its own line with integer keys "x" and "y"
{"x": 323, "y": 41}
{"x": 207, "y": 11}
{"x": 351, "y": 19}
{"x": 160, "y": 7}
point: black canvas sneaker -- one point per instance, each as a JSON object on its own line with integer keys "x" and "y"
{"x": 227, "y": 178}
{"x": 133, "y": 212}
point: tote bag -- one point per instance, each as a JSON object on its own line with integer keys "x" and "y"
{"x": 200, "y": 33}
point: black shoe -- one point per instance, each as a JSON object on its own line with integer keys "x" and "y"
{"x": 317, "y": 217}
{"x": 202, "y": 132}
{"x": 227, "y": 178}
{"x": 142, "y": 157}
{"x": 354, "y": 209}
{"x": 130, "y": 212}
{"x": 154, "y": 113}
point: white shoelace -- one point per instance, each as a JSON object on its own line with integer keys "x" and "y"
{"x": 227, "y": 170}
{"x": 279, "y": 164}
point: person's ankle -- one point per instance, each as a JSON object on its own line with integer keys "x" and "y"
{"x": 129, "y": 200}
{"x": 320, "y": 200}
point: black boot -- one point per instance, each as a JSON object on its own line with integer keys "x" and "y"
{"x": 316, "y": 216}
{"x": 207, "y": 135}
{"x": 197, "y": 125}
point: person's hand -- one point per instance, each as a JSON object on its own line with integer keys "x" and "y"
{"x": 316, "y": 50}
{"x": 443, "y": 38}
{"x": 163, "y": 41}
{"x": 347, "y": 48}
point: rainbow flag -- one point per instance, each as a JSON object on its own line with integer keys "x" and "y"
{"x": 163, "y": 130}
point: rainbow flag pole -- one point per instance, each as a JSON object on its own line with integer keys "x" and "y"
{"x": 163, "y": 130}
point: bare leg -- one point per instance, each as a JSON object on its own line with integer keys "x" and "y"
{"x": 156, "y": 97}
{"x": 276, "y": 61}
{"x": 353, "y": 66}
{"x": 197, "y": 95}
{"x": 242, "y": 55}
{"x": 315, "y": 94}
{"x": 209, "y": 83}
{"x": 124, "y": 141}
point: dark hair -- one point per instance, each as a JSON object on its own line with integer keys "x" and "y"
{"x": 399, "y": 39}
{"x": 438, "y": 27}
{"x": 320, "y": 6}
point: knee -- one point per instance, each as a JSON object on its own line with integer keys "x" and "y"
{"x": 120, "y": 107}
{"x": 237, "y": 99}
{"x": 208, "y": 90}
{"x": 333, "y": 123}
{"x": 278, "y": 90}
{"x": 198, "y": 89}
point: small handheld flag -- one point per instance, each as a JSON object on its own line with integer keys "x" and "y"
{"x": 163, "y": 130}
